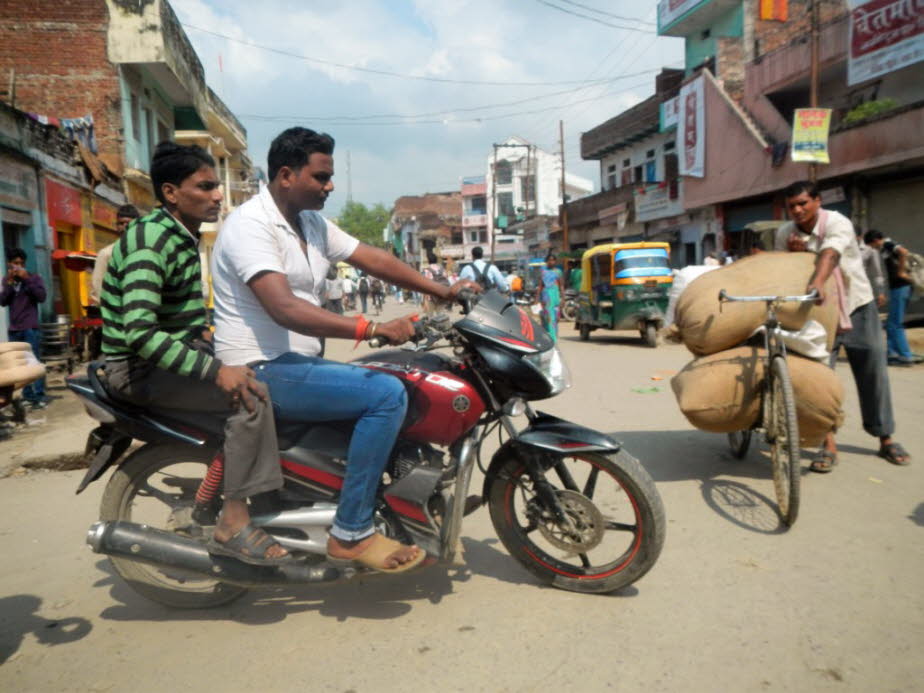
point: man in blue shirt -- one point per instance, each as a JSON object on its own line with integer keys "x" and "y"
{"x": 483, "y": 272}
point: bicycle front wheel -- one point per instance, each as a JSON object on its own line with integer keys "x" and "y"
{"x": 783, "y": 435}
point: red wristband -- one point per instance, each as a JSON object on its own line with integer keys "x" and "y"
{"x": 361, "y": 325}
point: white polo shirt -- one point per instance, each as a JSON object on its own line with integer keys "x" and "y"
{"x": 256, "y": 238}
{"x": 840, "y": 236}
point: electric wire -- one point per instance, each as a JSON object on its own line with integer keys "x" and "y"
{"x": 384, "y": 73}
{"x": 595, "y": 19}
{"x": 607, "y": 14}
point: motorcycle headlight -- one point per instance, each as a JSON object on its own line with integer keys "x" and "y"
{"x": 552, "y": 367}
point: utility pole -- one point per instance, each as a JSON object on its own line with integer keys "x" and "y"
{"x": 813, "y": 91}
{"x": 566, "y": 246}
{"x": 493, "y": 217}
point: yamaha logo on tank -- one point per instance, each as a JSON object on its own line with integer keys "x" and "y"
{"x": 461, "y": 403}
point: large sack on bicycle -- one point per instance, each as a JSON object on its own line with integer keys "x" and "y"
{"x": 18, "y": 365}
{"x": 721, "y": 393}
{"x": 706, "y": 327}
{"x": 819, "y": 397}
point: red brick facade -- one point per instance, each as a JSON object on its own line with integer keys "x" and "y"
{"x": 770, "y": 35}
{"x": 58, "y": 49}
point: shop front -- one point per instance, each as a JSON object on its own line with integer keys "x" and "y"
{"x": 70, "y": 289}
{"x": 20, "y": 221}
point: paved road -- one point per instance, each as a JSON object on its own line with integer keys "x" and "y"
{"x": 734, "y": 603}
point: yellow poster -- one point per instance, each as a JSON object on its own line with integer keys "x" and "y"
{"x": 810, "y": 135}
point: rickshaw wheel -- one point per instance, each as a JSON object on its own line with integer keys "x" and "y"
{"x": 650, "y": 335}
{"x": 584, "y": 329}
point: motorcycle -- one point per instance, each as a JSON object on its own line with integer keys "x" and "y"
{"x": 568, "y": 503}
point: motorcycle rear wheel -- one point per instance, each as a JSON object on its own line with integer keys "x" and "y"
{"x": 145, "y": 491}
{"x": 612, "y": 488}
{"x": 569, "y": 311}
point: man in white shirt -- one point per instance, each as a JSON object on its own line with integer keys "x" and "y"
{"x": 269, "y": 269}
{"x": 830, "y": 235}
{"x": 483, "y": 272}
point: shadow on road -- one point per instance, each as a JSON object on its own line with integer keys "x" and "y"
{"x": 373, "y": 597}
{"x": 19, "y": 618}
{"x": 917, "y": 517}
{"x": 687, "y": 455}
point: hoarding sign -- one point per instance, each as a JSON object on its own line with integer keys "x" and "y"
{"x": 670, "y": 113}
{"x": 654, "y": 202}
{"x": 885, "y": 35}
{"x": 671, "y": 10}
{"x": 691, "y": 130}
{"x": 810, "y": 135}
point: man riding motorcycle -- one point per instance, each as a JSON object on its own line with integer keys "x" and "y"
{"x": 156, "y": 341}
{"x": 268, "y": 269}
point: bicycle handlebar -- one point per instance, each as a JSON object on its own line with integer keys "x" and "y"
{"x": 723, "y": 296}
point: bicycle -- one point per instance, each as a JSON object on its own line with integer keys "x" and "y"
{"x": 778, "y": 409}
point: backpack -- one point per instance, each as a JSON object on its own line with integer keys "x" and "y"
{"x": 363, "y": 286}
{"x": 482, "y": 277}
{"x": 377, "y": 286}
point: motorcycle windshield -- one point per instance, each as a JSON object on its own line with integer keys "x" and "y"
{"x": 497, "y": 318}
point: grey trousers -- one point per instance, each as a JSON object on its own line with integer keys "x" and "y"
{"x": 867, "y": 356}
{"x": 250, "y": 449}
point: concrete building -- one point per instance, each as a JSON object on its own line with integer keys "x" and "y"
{"x": 120, "y": 77}
{"x": 876, "y": 143}
{"x": 524, "y": 181}
{"x": 422, "y": 223}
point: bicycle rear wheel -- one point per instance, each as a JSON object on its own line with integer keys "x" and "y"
{"x": 783, "y": 436}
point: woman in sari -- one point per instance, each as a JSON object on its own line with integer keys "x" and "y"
{"x": 551, "y": 290}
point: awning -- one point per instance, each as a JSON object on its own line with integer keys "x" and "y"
{"x": 75, "y": 260}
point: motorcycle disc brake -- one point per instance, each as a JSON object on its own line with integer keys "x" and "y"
{"x": 587, "y": 524}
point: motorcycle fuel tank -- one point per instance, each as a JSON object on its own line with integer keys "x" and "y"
{"x": 441, "y": 405}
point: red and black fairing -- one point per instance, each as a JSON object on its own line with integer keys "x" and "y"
{"x": 503, "y": 333}
{"x": 442, "y": 404}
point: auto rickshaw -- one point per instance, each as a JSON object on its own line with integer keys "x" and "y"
{"x": 625, "y": 286}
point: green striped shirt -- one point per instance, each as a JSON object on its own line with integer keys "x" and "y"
{"x": 151, "y": 301}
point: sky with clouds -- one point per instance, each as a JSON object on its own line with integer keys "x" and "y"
{"x": 441, "y": 80}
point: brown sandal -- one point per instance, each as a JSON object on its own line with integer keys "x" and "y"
{"x": 375, "y": 555}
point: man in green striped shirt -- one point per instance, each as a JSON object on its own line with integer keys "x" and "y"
{"x": 157, "y": 342}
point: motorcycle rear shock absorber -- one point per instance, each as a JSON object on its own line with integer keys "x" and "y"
{"x": 208, "y": 495}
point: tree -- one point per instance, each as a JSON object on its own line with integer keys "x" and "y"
{"x": 363, "y": 222}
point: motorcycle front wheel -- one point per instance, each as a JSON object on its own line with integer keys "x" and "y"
{"x": 613, "y": 529}
{"x": 156, "y": 486}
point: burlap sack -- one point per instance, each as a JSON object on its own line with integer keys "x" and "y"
{"x": 14, "y": 346}
{"x": 706, "y": 327}
{"x": 19, "y": 368}
{"x": 721, "y": 393}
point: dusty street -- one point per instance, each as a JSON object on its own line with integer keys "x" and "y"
{"x": 734, "y": 604}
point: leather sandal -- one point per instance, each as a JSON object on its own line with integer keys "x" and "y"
{"x": 248, "y": 545}
{"x": 375, "y": 554}
{"x": 895, "y": 453}
{"x": 824, "y": 462}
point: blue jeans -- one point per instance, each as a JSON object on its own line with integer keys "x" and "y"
{"x": 34, "y": 391}
{"x": 308, "y": 388}
{"x": 895, "y": 328}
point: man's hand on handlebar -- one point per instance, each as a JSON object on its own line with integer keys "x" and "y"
{"x": 463, "y": 285}
{"x": 240, "y": 383}
{"x": 819, "y": 286}
{"x": 396, "y": 331}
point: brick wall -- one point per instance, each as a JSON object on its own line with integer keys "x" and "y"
{"x": 58, "y": 50}
{"x": 770, "y": 35}
{"x": 730, "y": 65}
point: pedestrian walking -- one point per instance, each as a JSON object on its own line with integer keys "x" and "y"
{"x": 550, "y": 293}
{"x": 363, "y": 289}
{"x": 22, "y": 292}
{"x": 895, "y": 258}
{"x": 831, "y": 237}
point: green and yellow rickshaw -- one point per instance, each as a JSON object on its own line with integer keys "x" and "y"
{"x": 625, "y": 286}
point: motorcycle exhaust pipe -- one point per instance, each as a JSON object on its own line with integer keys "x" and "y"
{"x": 167, "y": 550}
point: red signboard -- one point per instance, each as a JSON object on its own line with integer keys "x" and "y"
{"x": 104, "y": 214}
{"x": 885, "y": 35}
{"x": 63, "y": 203}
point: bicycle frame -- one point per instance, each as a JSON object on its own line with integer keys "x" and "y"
{"x": 773, "y": 337}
